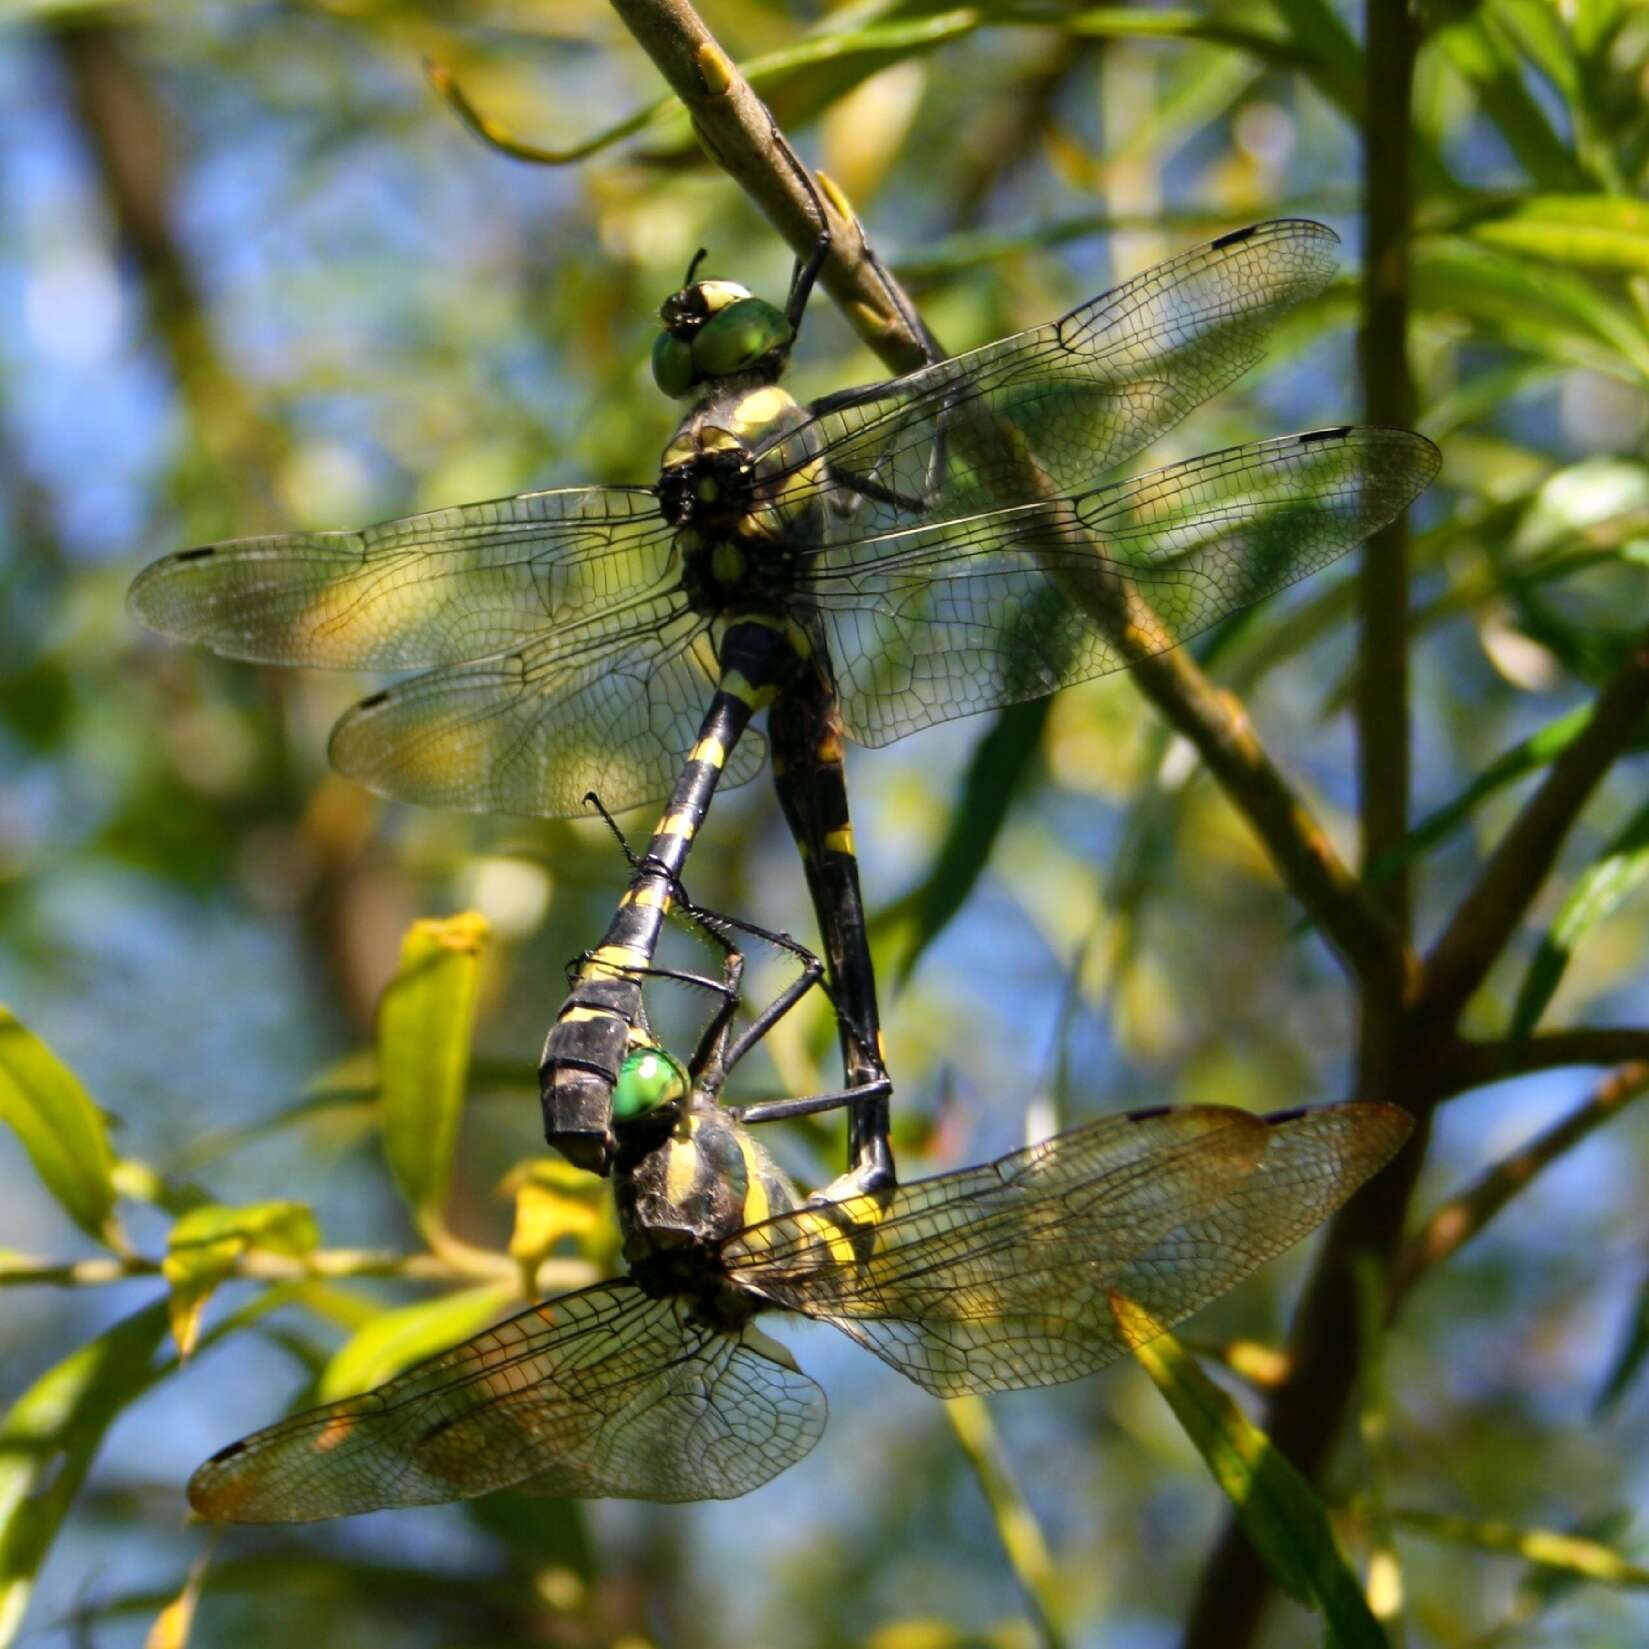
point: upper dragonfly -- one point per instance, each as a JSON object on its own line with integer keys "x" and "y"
{"x": 920, "y": 549}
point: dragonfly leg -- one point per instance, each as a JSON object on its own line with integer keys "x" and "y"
{"x": 807, "y": 269}
{"x": 778, "y": 1110}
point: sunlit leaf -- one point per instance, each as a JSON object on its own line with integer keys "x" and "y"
{"x": 203, "y": 1246}
{"x": 1550, "y": 311}
{"x": 173, "y": 1624}
{"x": 425, "y": 1019}
{"x": 49, "y": 1439}
{"x": 395, "y": 1340}
{"x": 1277, "y": 1508}
{"x": 555, "y": 1202}
{"x": 1606, "y": 232}
{"x": 60, "y": 1127}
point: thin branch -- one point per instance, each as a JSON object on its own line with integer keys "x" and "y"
{"x": 1381, "y": 700}
{"x": 1471, "y": 1065}
{"x": 1464, "y": 1215}
{"x": 466, "y": 1266}
{"x": 1489, "y": 915}
{"x": 742, "y": 138}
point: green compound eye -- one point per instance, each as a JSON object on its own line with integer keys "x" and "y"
{"x": 672, "y": 364}
{"x": 649, "y": 1078}
{"x": 737, "y": 337}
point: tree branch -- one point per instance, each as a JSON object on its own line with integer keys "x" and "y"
{"x": 1464, "y": 1215}
{"x": 1471, "y": 1065}
{"x": 1489, "y": 915}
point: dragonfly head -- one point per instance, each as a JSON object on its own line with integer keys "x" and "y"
{"x": 716, "y": 329}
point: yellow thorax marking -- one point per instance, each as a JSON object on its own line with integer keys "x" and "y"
{"x": 679, "y": 451}
{"x": 840, "y": 841}
{"x": 624, "y": 959}
{"x": 713, "y": 438}
{"x": 760, "y": 407}
{"x": 681, "y": 1169}
{"x": 756, "y": 1206}
{"x": 649, "y": 894}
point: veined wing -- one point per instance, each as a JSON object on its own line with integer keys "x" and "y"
{"x": 599, "y": 1392}
{"x": 1001, "y": 1277}
{"x": 441, "y": 588}
{"x": 612, "y": 708}
{"x": 1049, "y": 410}
{"x": 935, "y": 622}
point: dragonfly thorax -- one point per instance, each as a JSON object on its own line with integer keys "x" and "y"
{"x": 724, "y": 484}
{"x": 684, "y": 1184}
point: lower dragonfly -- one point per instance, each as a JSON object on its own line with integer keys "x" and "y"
{"x": 661, "y": 1385}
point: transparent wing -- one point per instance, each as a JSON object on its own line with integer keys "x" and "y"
{"x": 534, "y": 730}
{"x": 440, "y": 588}
{"x": 1055, "y": 408}
{"x": 1001, "y": 1277}
{"x": 936, "y": 622}
{"x": 600, "y": 1392}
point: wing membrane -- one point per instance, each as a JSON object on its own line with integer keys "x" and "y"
{"x": 1000, "y": 1277}
{"x": 1053, "y": 409}
{"x": 440, "y": 588}
{"x": 936, "y": 622}
{"x": 535, "y": 730}
{"x": 602, "y": 1392}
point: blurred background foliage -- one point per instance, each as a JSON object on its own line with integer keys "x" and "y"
{"x": 255, "y": 276}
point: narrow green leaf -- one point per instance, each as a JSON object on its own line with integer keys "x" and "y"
{"x": 1607, "y": 232}
{"x": 48, "y": 1442}
{"x": 1629, "y": 1360}
{"x": 1551, "y": 311}
{"x": 395, "y": 1340}
{"x": 60, "y": 1127}
{"x": 994, "y": 778}
{"x": 425, "y": 1019}
{"x": 1600, "y": 890}
{"x": 1537, "y": 751}
{"x": 1550, "y": 1548}
{"x": 1276, "y": 1507}
{"x": 1481, "y": 54}
{"x": 202, "y": 1247}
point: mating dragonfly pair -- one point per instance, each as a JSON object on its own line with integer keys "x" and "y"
{"x": 887, "y": 558}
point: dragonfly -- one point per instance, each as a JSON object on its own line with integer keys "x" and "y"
{"x": 886, "y": 558}
{"x": 663, "y": 1384}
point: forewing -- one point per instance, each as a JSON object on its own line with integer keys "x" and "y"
{"x": 937, "y": 622}
{"x": 603, "y": 1392}
{"x": 1002, "y": 1277}
{"x": 534, "y": 730}
{"x": 440, "y": 588}
{"x": 1053, "y": 409}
